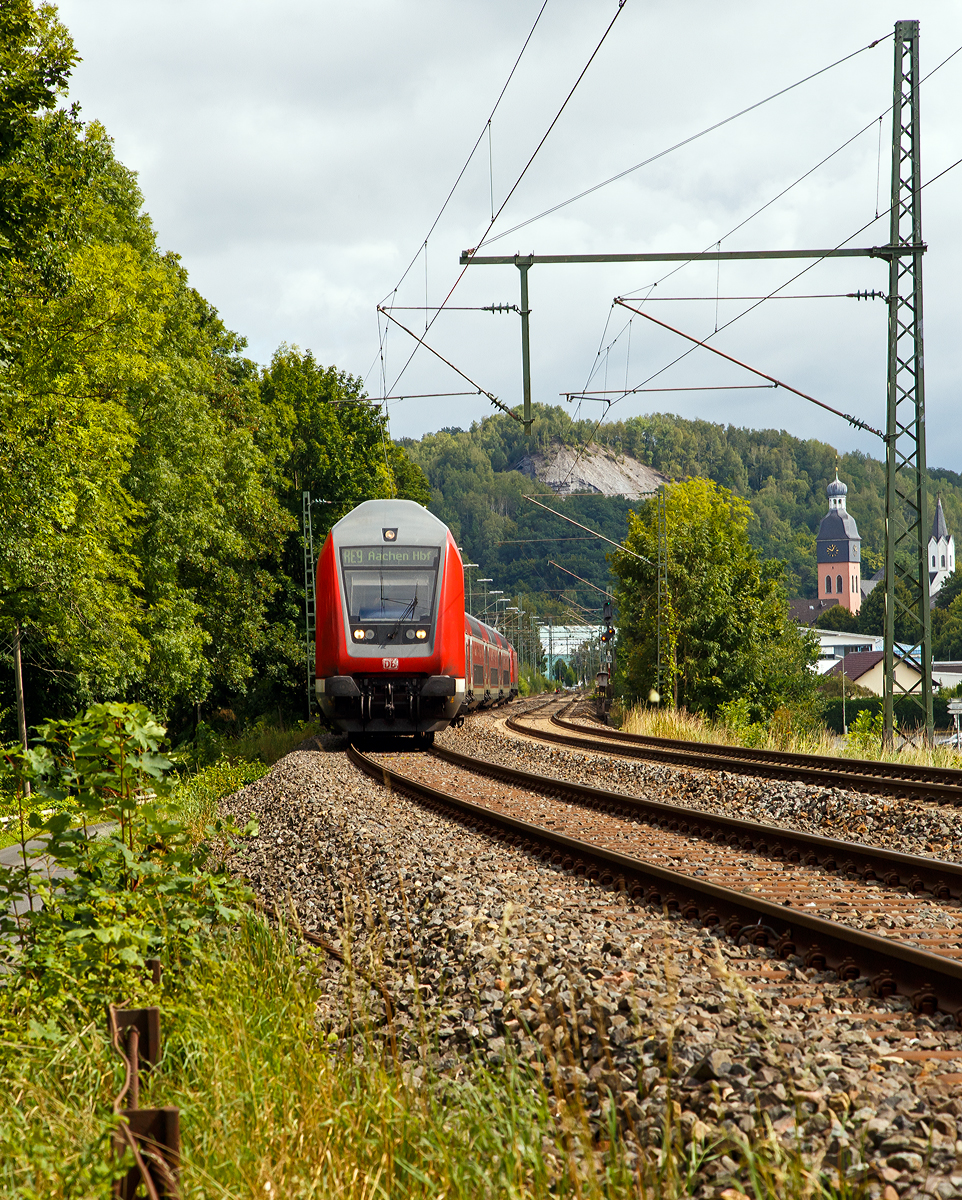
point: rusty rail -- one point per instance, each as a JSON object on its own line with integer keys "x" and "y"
{"x": 930, "y": 980}
{"x": 920, "y": 783}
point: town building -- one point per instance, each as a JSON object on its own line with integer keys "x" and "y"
{"x": 839, "y": 551}
{"x": 941, "y": 551}
{"x": 834, "y": 645}
{"x": 867, "y": 670}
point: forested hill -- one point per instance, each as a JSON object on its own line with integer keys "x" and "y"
{"x": 479, "y": 492}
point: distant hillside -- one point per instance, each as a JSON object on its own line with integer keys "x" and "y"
{"x": 569, "y": 470}
{"x": 479, "y": 477}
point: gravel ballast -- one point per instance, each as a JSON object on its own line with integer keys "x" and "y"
{"x": 488, "y": 953}
{"x": 931, "y": 830}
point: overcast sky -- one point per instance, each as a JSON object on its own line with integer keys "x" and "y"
{"x": 296, "y": 152}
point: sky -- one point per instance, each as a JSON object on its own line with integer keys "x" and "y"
{"x": 296, "y": 153}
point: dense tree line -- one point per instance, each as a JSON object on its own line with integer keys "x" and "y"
{"x": 150, "y": 473}
{"x": 476, "y": 486}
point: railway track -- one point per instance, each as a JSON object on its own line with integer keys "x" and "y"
{"x": 798, "y": 894}
{"x": 941, "y": 784}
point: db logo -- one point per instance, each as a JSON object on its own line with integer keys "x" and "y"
{"x": 389, "y": 664}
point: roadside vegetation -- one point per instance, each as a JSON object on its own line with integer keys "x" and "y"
{"x": 733, "y": 726}
{"x": 151, "y": 475}
{"x": 274, "y": 1101}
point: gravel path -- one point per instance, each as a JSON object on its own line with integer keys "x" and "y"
{"x": 488, "y": 953}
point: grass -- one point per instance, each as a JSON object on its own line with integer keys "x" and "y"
{"x": 277, "y": 1102}
{"x": 274, "y": 1104}
{"x": 778, "y": 734}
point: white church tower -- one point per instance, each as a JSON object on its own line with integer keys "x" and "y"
{"x": 941, "y": 551}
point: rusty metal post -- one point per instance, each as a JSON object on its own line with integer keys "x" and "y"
{"x": 152, "y": 1135}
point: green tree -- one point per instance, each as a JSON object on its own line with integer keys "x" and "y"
{"x": 947, "y": 632}
{"x": 949, "y": 590}
{"x": 137, "y": 502}
{"x": 328, "y": 439}
{"x": 840, "y": 618}
{"x": 726, "y": 617}
{"x": 871, "y": 616}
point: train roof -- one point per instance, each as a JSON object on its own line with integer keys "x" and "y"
{"x": 485, "y": 632}
{"x": 414, "y": 524}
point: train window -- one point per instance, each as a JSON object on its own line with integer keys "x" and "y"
{"x": 478, "y": 675}
{"x": 390, "y": 583}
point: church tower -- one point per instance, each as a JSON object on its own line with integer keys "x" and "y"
{"x": 839, "y": 551}
{"x": 941, "y": 551}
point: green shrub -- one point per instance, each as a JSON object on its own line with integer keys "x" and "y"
{"x": 864, "y": 739}
{"x": 735, "y": 716}
{"x": 134, "y": 881}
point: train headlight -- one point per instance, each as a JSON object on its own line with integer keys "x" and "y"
{"x": 421, "y": 634}
{"x": 359, "y": 635}
{"x": 369, "y": 634}
{"x": 410, "y": 635}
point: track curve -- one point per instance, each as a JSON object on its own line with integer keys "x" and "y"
{"x": 932, "y": 980}
{"x": 942, "y": 784}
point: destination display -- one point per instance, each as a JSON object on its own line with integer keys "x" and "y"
{"x": 390, "y": 556}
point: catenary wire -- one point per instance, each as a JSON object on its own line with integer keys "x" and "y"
{"x": 467, "y": 162}
{"x": 382, "y": 333}
{"x": 650, "y": 287}
{"x": 744, "y": 313}
{"x": 684, "y": 142}
{"x": 515, "y": 185}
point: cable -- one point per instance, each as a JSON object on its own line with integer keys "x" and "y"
{"x": 484, "y": 129}
{"x": 741, "y": 224}
{"x": 685, "y": 142}
{"x": 514, "y": 186}
{"x": 752, "y": 308}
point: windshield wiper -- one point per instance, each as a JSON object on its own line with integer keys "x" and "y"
{"x": 408, "y": 610}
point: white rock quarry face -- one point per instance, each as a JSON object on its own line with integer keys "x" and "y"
{"x": 595, "y": 470}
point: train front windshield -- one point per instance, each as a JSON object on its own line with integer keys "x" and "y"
{"x": 395, "y": 583}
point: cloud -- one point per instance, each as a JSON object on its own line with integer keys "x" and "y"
{"x": 294, "y": 153}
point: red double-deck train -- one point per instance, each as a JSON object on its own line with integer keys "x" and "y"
{"x": 396, "y": 651}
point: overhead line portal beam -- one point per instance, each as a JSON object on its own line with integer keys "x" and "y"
{"x": 468, "y": 259}
{"x": 524, "y": 262}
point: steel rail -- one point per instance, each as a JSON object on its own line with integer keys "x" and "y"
{"x": 930, "y": 980}
{"x": 891, "y": 867}
{"x": 812, "y": 768}
{"x": 909, "y": 772}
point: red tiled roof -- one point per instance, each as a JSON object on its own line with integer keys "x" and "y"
{"x": 856, "y": 664}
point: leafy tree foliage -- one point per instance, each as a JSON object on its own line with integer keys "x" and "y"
{"x": 329, "y": 440}
{"x": 839, "y": 618}
{"x": 871, "y": 616}
{"x": 726, "y": 618}
{"x": 150, "y": 474}
{"x": 477, "y": 482}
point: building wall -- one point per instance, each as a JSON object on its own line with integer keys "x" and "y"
{"x": 941, "y": 561}
{"x": 875, "y": 682}
{"x": 850, "y": 594}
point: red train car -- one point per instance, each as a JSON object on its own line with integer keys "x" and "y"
{"x": 396, "y": 652}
